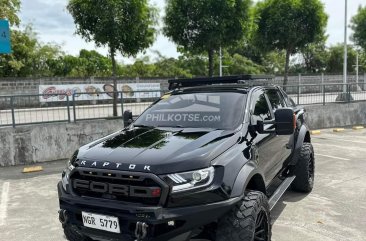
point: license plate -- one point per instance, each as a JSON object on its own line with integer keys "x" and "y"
{"x": 101, "y": 222}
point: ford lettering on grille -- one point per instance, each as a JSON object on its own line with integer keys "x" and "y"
{"x": 117, "y": 189}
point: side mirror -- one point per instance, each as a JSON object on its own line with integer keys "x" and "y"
{"x": 285, "y": 121}
{"x": 127, "y": 118}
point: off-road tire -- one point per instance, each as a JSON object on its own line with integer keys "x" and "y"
{"x": 73, "y": 235}
{"x": 241, "y": 223}
{"x": 305, "y": 169}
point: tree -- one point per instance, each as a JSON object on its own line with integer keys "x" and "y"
{"x": 63, "y": 65}
{"x": 203, "y": 26}
{"x": 289, "y": 25}
{"x": 44, "y": 57}
{"x": 315, "y": 57}
{"x": 94, "y": 63}
{"x": 29, "y": 57}
{"x": 9, "y": 10}
{"x": 196, "y": 65}
{"x": 169, "y": 67}
{"x": 358, "y": 25}
{"x": 141, "y": 68}
{"x": 274, "y": 62}
{"x": 335, "y": 60}
{"x": 125, "y": 26}
{"x": 20, "y": 61}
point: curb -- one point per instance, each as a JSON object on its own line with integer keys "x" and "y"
{"x": 315, "y": 132}
{"x": 338, "y": 130}
{"x": 358, "y": 128}
{"x": 32, "y": 169}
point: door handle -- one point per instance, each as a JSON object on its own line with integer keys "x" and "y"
{"x": 255, "y": 154}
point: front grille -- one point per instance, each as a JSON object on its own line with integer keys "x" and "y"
{"x": 140, "y": 188}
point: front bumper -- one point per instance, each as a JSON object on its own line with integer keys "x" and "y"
{"x": 185, "y": 218}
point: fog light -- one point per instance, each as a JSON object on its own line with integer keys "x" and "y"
{"x": 171, "y": 223}
{"x": 156, "y": 192}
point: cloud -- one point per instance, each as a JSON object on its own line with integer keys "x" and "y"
{"x": 53, "y": 23}
{"x": 47, "y": 16}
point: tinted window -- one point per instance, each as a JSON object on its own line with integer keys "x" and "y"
{"x": 260, "y": 109}
{"x": 196, "y": 110}
{"x": 275, "y": 99}
{"x": 289, "y": 102}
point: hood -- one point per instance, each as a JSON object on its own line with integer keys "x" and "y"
{"x": 157, "y": 150}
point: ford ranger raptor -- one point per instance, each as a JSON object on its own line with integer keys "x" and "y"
{"x": 208, "y": 160}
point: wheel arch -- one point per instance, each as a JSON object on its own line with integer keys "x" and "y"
{"x": 307, "y": 137}
{"x": 303, "y": 136}
{"x": 256, "y": 183}
{"x": 250, "y": 178}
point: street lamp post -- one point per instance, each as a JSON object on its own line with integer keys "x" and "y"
{"x": 220, "y": 62}
{"x": 357, "y": 68}
{"x": 345, "y": 95}
{"x": 345, "y": 50}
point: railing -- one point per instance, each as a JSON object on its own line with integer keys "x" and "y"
{"x": 50, "y": 108}
{"x": 41, "y": 108}
{"x": 326, "y": 93}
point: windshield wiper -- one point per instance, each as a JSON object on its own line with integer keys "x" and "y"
{"x": 143, "y": 126}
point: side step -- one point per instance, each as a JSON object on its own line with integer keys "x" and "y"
{"x": 280, "y": 191}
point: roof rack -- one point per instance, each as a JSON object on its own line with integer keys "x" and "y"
{"x": 237, "y": 79}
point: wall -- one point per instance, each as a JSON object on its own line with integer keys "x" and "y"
{"x": 48, "y": 142}
{"x": 336, "y": 115}
{"x": 29, "y": 86}
{"x": 24, "y": 86}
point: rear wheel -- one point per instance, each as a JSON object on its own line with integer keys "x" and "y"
{"x": 305, "y": 169}
{"x": 247, "y": 221}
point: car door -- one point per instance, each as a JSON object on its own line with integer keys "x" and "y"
{"x": 267, "y": 146}
{"x": 285, "y": 142}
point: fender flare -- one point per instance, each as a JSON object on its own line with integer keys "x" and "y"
{"x": 242, "y": 180}
{"x": 303, "y": 133}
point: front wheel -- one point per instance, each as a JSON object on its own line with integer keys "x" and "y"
{"x": 249, "y": 220}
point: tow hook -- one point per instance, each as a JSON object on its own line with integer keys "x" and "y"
{"x": 141, "y": 231}
{"x": 62, "y": 216}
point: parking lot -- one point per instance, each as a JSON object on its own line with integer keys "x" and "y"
{"x": 335, "y": 210}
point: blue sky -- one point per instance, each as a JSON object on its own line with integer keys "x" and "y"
{"x": 53, "y": 23}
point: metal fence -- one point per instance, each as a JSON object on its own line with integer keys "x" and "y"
{"x": 15, "y": 111}
{"x": 311, "y": 94}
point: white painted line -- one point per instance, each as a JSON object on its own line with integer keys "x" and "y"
{"x": 4, "y": 203}
{"x": 360, "y": 142}
{"x": 337, "y": 139}
{"x": 334, "y": 157}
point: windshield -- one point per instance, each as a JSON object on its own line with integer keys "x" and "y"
{"x": 222, "y": 110}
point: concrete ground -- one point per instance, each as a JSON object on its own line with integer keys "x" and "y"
{"x": 335, "y": 210}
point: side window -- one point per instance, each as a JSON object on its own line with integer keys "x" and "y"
{"x": 289, "y": 102}
{"x": 259, "y": 107}
{"x": 275, "y": 98}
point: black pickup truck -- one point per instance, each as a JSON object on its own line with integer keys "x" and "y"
{"x": 208, "y": 160}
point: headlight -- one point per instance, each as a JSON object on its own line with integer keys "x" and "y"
{"x": 70, "y": 163}
{"x": 69, "y": 167}
{"x": 191, "y": 180}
